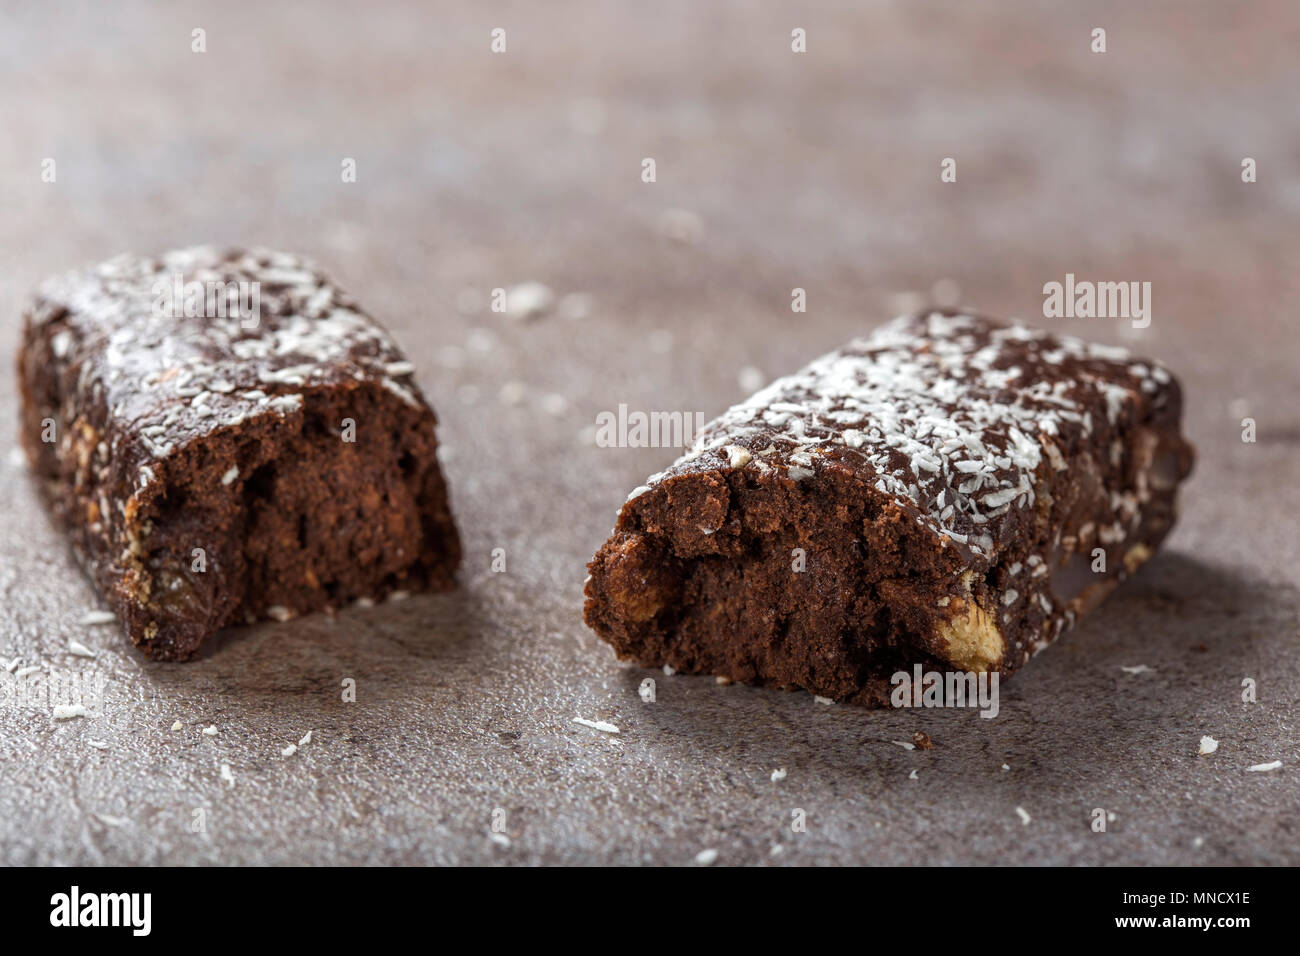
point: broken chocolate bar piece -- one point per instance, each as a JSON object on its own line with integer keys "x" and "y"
{"x": 226, "y": 436}
{"x": 951, "y": 492}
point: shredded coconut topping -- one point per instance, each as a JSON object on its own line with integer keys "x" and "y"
{"x": 949, "y": 415}
{"x": 174, "y": 374}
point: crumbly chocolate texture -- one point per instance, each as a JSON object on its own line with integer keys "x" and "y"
{"x": 950, "y": 491}
{"x": 201, "y": 465}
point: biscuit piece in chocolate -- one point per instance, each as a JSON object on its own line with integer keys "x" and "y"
{"x": 950, "y": 491}
{"x": 226, "y": 436}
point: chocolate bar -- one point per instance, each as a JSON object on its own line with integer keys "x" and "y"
{"x": 951, "y": 492}
{"x": 225, "y": 436}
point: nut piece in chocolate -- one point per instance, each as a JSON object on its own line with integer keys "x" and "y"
{"x": 950, "y": 491}
{"x": 226, "y": 436}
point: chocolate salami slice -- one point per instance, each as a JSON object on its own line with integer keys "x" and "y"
{"x": 226, "y": 436}
{"x": 950, "y": 491}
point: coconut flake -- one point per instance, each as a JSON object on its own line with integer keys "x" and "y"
{"x": 603, "y": 726}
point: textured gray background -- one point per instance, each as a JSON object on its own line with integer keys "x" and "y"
{"x": 818, "y": 171}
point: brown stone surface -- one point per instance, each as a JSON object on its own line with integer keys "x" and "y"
{"x": 818, "y": 171}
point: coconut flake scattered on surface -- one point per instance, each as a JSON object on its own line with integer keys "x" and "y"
{"x": 706, "y": 857}
{"x": 1265, "y": 767}
{"x": 91, "y": 618}
{"x": 603, "y": 726}
{"x": 1023, "y": 814}
{"x": 528, "y": 300}
{"x": 1208, "y": 745}
{"x": 68, "y": 711}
